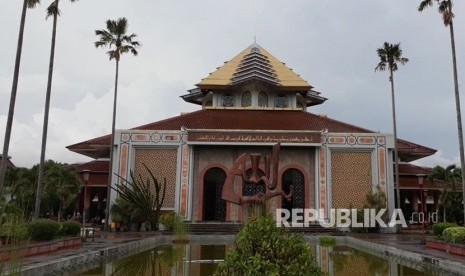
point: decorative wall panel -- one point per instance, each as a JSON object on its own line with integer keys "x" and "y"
{"x": 351, "y": 178}
{"x": 162, "y": 162}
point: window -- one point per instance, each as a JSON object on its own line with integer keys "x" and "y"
{"x": 246, "y": 99}
{"x": 281, "y": 101}
{"x": 228, "y": 101}
{"x": 262, "y": 99}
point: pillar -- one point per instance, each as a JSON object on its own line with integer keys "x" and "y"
{"x": 415, "y": 201}
{"x": 436, "y": 201}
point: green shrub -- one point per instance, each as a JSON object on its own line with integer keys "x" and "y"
{"x": 438, "y": 228}
{"x": 43, "y": 229}
{"x": 327, "y": 241}
{"x": 454, "y": 234}
{"x": 180, "y": 228}
{"x": 168, "y": 220}
{"x": 70, "y": 228}
{"x": 15, "y": 229}
{"x": 263, "y": 249}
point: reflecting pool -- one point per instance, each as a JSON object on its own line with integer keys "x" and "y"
{"x": 202, "y": 260}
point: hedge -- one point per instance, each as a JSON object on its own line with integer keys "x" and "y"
{"x": 43, "y": 229}
{"x": 454, "y": 234}
{"x": 70, "y": 228}
{"x": 438, "y": 228}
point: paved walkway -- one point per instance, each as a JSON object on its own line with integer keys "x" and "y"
{"x": 411, "y": 243}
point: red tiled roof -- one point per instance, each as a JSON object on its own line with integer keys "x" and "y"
{"x": 98, "y": 174}
{"x": 410, "y": 178}
{"x": 94, "y": 166}
{"x": 246, "y": 120}
{"x": 412, "y": 183}
{"x": 410, "y": 169}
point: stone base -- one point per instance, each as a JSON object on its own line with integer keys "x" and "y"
{"x": 20, "y": 251}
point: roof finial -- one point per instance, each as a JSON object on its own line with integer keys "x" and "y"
{"x": 255, "y": 38}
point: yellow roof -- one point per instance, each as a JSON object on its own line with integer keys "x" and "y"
{"x": 225, "y": 75}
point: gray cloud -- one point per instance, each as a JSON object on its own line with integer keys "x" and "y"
{"x": 330, "y": 45}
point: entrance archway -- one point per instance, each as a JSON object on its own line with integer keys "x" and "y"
{"x": 295, "y": 178}
{"x": 214, "y": 207}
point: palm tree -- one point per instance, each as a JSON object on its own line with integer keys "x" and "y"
{"x": 450, "y": 175}
{"x": 22, "y": 185}
{"x": 115, "y": 38}
{"x": 389, "y": 56}
{"x": 52, "y": 10}
{"x": 14, "y": 89}
{"x": 445, "y": 9}
{"x": 65, "y": 183}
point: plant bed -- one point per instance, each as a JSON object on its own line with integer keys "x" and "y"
{"x": 38, "y": 248}
{"x": 181, "y": 241}
{"x": 453, "y": 248}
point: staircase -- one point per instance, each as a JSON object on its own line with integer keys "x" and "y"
{"x": 234, "y": 228}
{"x": 312, "y": 229}
{"x": 214, "y": 228}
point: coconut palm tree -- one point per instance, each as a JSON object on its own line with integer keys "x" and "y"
{"x": 389, "y": 56}
{"x": 115, "y": 37}
{"x": 14, "y": 89}
{"x": 63, "y": 181}
{"x": 445, "y": 9}
{"x": 22, "y": 186}
{"x": 449, "y": 196}
{"x": 52, "y": 11}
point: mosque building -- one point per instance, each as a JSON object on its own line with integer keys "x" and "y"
{"x": 249, "y": 104}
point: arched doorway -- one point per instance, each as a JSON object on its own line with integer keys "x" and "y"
{"x": 214, "y": 207}
{"x": 295, "y": 178}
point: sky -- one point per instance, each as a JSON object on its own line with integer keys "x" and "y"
{"x": 331, "y": 46}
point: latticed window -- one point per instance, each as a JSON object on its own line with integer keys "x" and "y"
{"x": 246, "y": 99}
{"x": 281, "y": 101}
{"x": 228, "y": 101}
{"x": 262, "y": 99}
{"x": 251, "y": 189}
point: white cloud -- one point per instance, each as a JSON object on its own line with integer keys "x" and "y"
{"x": 438, "y": 160}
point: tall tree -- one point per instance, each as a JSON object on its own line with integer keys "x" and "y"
{"x": 445, "y": 9}
{"x": 14, "y": 89}
{"x": 115, "y": 37}
{"x": 22, "y": 186}
{"x": 64, "y": 182}
{"x": 52, "y": 11}
{"x": 389, "y": 56}
{"x": 450, "y": 175}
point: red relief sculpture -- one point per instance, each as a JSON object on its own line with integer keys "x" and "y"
{"x": 270, "y": 179}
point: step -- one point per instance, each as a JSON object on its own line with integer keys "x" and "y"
{"x": 233, "y": 228}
